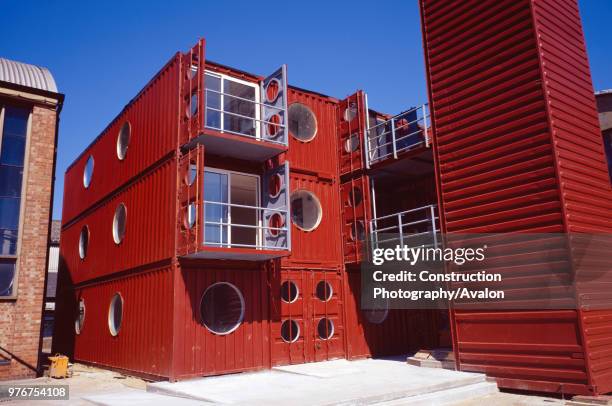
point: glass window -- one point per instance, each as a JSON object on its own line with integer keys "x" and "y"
{"x": 88, "y": 171}
{"x": 123, "y": 140}
{"x": 80, "y": 317}
{"x": 119, "y": 223}
{"x": 222, "y": 308}
{"x": 290, "y": 331}
{"x": 289, "y": 292}
{"x": 306, "y": 210}
{"x": 228, "y": 220}
{"x": 231, "y": 105}
{"x": 13, "y": 135}
{"x": 302, "y": 122}
{"x": 115, "y": 314}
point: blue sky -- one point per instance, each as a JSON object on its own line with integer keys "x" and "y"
{"x": 102, "y": 53}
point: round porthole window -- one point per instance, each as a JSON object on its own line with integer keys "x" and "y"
{"x": 350, "y": 112}
{"x": 123, "y": 140}
{"x": 191, "y": 175}
{"x": 289, "y": 292}
{"x": 325, "y": 329}
{"x": 272, "y": 90}
{"x": 306, "y": 211}
{"x": 191, "y": 215}
{"x": 193, "y": 106}
{"x": 324, "y": 291}
{"x": 275, "y": 185}
{"x": 355, "y": 197}
{"x": 88, "y": 172}
{"x": 302, "y": 122}
{"x": 378, "y": 314}
{"x": 83, "y": 242}
{"x": 222, "y": 308}
{"x": 275, "y": 223}
{"x": 351, "y": 144}
{"x": 358, "y": 231}
{"x": 290, "y": 331}
{"x": 119, "y": 223}
{"x": 79, "y": 320}
{"x": 274, "y": 125}
{"x": 115, "y": 314}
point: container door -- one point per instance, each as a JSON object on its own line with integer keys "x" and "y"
{"x": 352, "y": 126}
{"x": 326, "y": 332}
{"x": 189, "y": 217}
{"x": 275, "y": 201}
{"x": 274, "y": 107}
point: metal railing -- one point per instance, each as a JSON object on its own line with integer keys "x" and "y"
{"x": 406, "y": 227}
{"x": 261, "y": 132}
{"x": 265, "y": 236}
{"x": 402, "y": 132}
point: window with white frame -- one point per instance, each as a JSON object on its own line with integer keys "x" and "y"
{"x": 13, "y": 135}
{"x": 232, "y": 105}
{"x": 231, "y": 209}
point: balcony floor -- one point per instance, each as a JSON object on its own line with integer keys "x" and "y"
{"x": 238, "y": 254}
{"x": 238, "y": 146}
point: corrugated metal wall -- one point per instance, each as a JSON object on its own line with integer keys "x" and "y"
{"x": 144, "y": 342}
{"x": 493, "y": 70}
{"x": 197, "y": 351}
{"x": 153, "y": 117}
{"x": 150, "y": 228}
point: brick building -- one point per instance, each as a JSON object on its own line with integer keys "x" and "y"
{"x": 29, "y": 109}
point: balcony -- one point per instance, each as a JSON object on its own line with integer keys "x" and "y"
{"x": 242, "y": 217}
{"x": 245, "y": 120}
{"x": 411, "y": 228}
{"x": 392, "y": 139}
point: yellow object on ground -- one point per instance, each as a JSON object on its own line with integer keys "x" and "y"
{"x": 59, "y": 366}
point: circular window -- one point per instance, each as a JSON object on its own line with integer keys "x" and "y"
{"x": 275, "y": 185}
{"x": 115, "y": 314}
{"x": 80, "y": 317}
{"x": 290, "y": 331}
{"x": 123, "y": 140}
{"x": 272, "y": 90}
{"x": 274, "y": 125}
{"x": 378, "y": 314}
{"x": 358, "y": 231}
{"x": 355, "y": 197}
{"x": 350, "y": 112}
{"x": 289, "y": 292}
{"x": 325, "y": 329}
{"x": 275, "y": 222}
{"x": 306, "y": 210}
{"x": 119, "y": 223}
{"x": 193, "y": 106}
{"x": 324, "y": 291}
{"x": 190, "y": 218}
{"x": 302, "y": 122}
{"x": 83, "y": 242}
{"x": 222, "y": 308}
{"x": 191, "y": 174}
{"x": 351, "y": 144}
{"x": 88, "y": 171}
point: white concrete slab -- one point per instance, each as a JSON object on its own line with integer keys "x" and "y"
{"x": 137, "y": 398}
{"x": 327, "y": 383}
{"x": 447, "y": 397}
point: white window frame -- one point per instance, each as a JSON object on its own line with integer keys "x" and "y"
{"x": 259, "y": 234}
{"x": 257, "y": 103}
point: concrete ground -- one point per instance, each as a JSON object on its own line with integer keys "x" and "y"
{"x": 339, "y": 382}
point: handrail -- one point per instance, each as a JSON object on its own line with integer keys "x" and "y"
{"x": 381, "y": 145}
{"x": 396, "y": 223}
{"x": 261, "y": 122}
{"x": 260, "y": 227}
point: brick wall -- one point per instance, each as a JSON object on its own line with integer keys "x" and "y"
{"x": 20, "y": 319}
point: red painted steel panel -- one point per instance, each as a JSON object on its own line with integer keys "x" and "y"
{"x": 356, "y": 214}
{"x": 321, "y": 247}
{"x": 351, "y": 133}
{"x": 144, "y": 343}
{"x": 307, "y": 311}
{"x": 400, "y": 332}
{"x": 319, "y": 155}
{"x": 150, "y": 228}
{"x": 197, "y": 351}
{"x": 153, "y": 117}
{"x": 516, "y": 140}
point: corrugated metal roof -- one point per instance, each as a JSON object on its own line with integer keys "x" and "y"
{"x": 19, "y": 73}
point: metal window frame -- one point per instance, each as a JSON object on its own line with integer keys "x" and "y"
{"x": 22, "y": 203}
